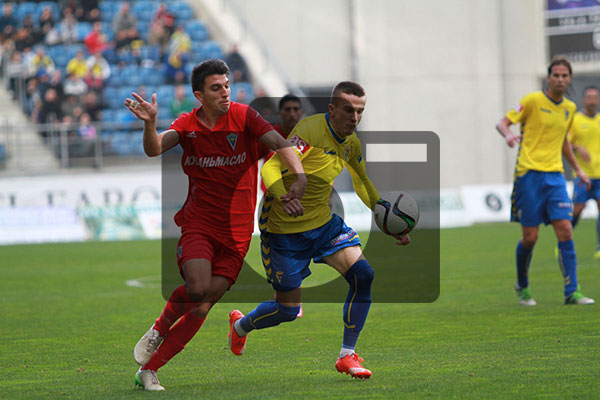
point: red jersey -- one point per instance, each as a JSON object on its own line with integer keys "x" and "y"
{"x": 221, "y": 164}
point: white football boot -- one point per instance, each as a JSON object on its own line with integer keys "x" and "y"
{"x": 147, "y": 379}
{"x": 147, "y": 345}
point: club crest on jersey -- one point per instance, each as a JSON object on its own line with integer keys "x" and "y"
{"x": 347, "y": 153}
{"x": 566, "y": 114}
{"x": 232, "y": 140}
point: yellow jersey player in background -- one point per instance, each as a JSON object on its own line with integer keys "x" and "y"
{"x": 585, "y": 140}
{"x": 326, "y": 144}
{"x": 539, "y": 191}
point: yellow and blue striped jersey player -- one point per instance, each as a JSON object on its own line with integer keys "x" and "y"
{"x": 585, "y": 140}
{"x": 539, "y": 190}
{"x": 326, "y": 144}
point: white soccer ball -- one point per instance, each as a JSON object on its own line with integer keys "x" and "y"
{"x": 397, "y": 213}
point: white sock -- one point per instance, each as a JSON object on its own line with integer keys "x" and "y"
{"x": 238, "y": 328}
{"x": 344, "y": 352}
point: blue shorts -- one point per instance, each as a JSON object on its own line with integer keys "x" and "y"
{"x": 540, "y": 197}
{"x": 581, "y": 195}
{"x": 286, "y": 257}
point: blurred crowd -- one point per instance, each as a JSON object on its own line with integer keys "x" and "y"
{"x": 59, "y": 59}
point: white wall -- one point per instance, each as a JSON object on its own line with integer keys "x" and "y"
{"x": 453, "y": 67}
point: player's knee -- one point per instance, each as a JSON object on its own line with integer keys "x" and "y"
{"x": 202, "y": 310}
{"x": 197, "y": 292}
{"x": 365, "y": 277}
{"x": 529, "y": 239}
{"x": 287, "y": 314}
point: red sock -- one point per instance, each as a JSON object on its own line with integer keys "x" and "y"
{"x": 175, "y": 341}
{"x": 179, "y": 303}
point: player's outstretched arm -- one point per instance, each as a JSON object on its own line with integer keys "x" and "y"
{"x": 154, "y": 144}
{"x": 568, "y": 153}
{"x": 503, "y": 127}
{"x": 288, "y": 156}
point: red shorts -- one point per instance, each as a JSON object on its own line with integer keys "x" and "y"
{"x": 226, "y": 260}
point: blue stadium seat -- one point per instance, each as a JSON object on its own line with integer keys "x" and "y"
{"x": 165, "y": 92}
{"x": 197, "y": 31}
{"x": 181, "y": 10}
{"x": 83, "y": 28}
{"x": 24, "y": 9}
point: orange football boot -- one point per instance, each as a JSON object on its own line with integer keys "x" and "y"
{"x": 237, "y": 343}
{"x": 351, "y": 365}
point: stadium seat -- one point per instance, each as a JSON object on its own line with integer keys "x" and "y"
{"x": 24, "y": 9}
{"x": 197, "y": 31}
{"x": 83, "y": 28}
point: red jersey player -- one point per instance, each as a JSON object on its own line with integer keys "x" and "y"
{"x": 219, "y": 141}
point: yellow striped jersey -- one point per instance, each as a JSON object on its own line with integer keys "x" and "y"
{"x": 585, "y": 132}
{"x": 544, "y": 126}
{"x": 324, "y": 155}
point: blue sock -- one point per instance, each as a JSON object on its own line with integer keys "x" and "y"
{"x": 267, "y": 314}
{"x": 359, "y": 277}
{"x": 567, "y": 260}
{"x": 523, "y": 260}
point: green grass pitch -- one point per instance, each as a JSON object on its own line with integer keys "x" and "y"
{"x": 69, "y": 323}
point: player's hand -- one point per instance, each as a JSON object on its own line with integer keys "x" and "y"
{"x": 512, "y": 139}
{"x": 141, "y": 108}
{"x": 585, "y": 155}
{"x": 293, "y": 208}
{"x": 584, "y": 178}
{"x": 296, "y": 189}
{"x": 403, "y": 240}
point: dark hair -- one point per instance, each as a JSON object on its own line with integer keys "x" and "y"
{"x": 288, "y": 97}
{"x": 348, "y": 88}
{"x": 560, "y": 61}
{"x": 591, "y": 87}
{"x": 206, "y": 68}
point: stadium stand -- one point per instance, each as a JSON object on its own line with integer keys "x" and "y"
{"x": 39, "y": 39}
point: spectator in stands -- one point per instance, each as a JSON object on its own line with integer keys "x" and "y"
{"x": 125, "y": 26}
{"x": 51, "y": 35}
{"x": 46, "y": 18}
{"x": 98, "y": 71}
{"x": 159, "y": 36}
{"x": 91, "y": 11}
{"x": 94, "y": 16}
{"x": 23, "y": 39}
{"x": 237, "y": 64}
{"x": 180, "y": 41}
{"x": 181, "y": 103}
{"x": 162, "y": 17}
{"x": 96, "y": 41}
{"x": 54, "y": 82}
{"x": 28, "y": 24}
{"x": 40, "y": 63}
{"x": 77, "y": 65}
{"x": 70, "y": 107}
{"x": 33, "y": 99}
{"x": 92, "y": 105}
{"x": 8, "y": 23}
{"x": 74, "y": 85}
{"x": 15, "y": 70}
{"x": 86, "y": 129}
{"x": 174, "y": 68}
{"x": 50, "y": 110}
{"x": 68, "y": 27}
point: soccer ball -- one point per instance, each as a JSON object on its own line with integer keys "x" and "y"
{"x": 397, "y": 213}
